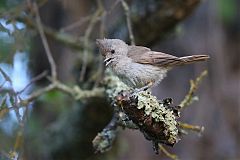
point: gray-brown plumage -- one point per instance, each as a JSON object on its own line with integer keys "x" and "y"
{"x": 144, "y": 55}
{"x": 138, "y": 66}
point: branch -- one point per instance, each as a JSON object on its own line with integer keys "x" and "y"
{"x": 155, "y": 120}
{"x": 195, "y": 128}
{"x": 103, "y": 141}
{"x": 93, "y": 21}
{"x": 5, "y": 76}
{"x": 75, "y": 92}
{"x": 37, "y": 94}
{"x": 45, "y": 43}
{"x": 79, "y": 94}
{"x": 129, "y": 23}
{"x": 37, "y": 78}
{"x": 61, "y": 37}
{"x": 194, "y": 84}
{"x": 76, "y": 24}
{"x": 169, "y": 155}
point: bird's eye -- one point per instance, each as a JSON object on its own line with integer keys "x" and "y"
{"x": 112, "y": 51}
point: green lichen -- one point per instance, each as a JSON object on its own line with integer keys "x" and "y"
{"x": 147, "y": 102}
{"x": 114, "y": 85}
{"x": 159, "y": 113}
{"x": 103, "y": 141}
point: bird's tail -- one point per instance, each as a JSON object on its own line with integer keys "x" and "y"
{"x": 192, "y": 59}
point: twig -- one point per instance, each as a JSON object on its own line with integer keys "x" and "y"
{"x": 1, "y": 86}
{"x": 6, "y": 77}
{"x": 83, "y": 20}
{"x": 25, "y": 115}
{"x": 92, "y": 23}
{"x": 64, "y": 38}
{"x": 37, "y": 93}
{"x": 194, "y": 84}
{"x": 45, "y": 43}
{"x": 102, "y": 26}
{"x": 113, "y": 6}
{"x": 13, "y": 93}
{"x": 76, "y": 24}
{"x": 169, "y": 155}
{"x": 195, "y": 128}
{"x": 104, "y": 140}
{"x": 129, "y": 24}
{"x": 38, "y": 77}
{"x": 75, "y": 92}
{"x": 18, "y": 141}
{"x": 3, "y": 101}
{"x": 16, "y": 108}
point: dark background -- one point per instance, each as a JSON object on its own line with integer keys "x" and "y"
{"x": 59, "y": 128}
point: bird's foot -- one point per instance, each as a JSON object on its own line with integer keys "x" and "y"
{"x": 144, "y": 88}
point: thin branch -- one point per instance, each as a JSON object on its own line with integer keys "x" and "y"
{"x": 169, "y": 155}
{"x": 37, "y": 94}
{"x": 37, "y": 78}
{"x": 1, "y": 86}
{"x": 16, "y": 108}
{"x": 195, "y": 128}
{"x": 45, "y": 43}
{"x": 64, "y": 38}
{"x": 194, "y": 84}
{"x": 102, "y": 28}
{"x": 6, "y": 77}
{"x": 19, "y": 141}
{"x": 76, "y": 24}
{"x": 12, "y": 93}
{"x": 3, "y": 101}
{"x": 75, "y": 92}
{"x": 113, "y": 6}
{"x": 129, "y": 23}
{"x": 94, "y": 20}
{"x": 83, "y": 20}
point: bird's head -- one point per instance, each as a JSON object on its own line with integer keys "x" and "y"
{"x": 112, "y": 50}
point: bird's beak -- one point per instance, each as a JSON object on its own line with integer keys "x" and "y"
{"x": 107, "y": 61}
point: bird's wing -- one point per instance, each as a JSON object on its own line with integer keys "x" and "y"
{"x": 144, "y": 55}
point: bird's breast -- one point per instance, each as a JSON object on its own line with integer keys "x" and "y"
{"x": 138, "y": 75}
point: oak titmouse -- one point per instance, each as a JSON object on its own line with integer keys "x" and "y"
{"x": 138, "y": 66}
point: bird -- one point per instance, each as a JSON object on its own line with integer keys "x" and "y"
{"x": 138, "y": 66}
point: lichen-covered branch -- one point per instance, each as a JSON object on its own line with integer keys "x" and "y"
{"x": 157, "y": 120}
